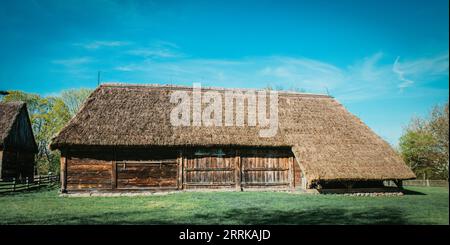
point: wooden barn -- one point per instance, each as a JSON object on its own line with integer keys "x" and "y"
{"x": 122, "y": 140}
{"x": 17, "y": 144}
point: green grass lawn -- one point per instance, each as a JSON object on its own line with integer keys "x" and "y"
{"x": 429, "y": 205}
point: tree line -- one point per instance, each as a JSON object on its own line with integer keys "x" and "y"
{"x": 48, "y": 116}
{"x": 424, "y": 144}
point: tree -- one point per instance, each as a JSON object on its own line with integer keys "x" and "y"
{"x": 417, "y": 149}
{"x": 53, "y": 121}
{"x": 74, "y": 99}
{"x": 424, "y": 144}
{"x": 439, "y": 127}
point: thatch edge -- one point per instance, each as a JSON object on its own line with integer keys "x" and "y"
{"x": 22, "y": 106}
{"x": 14, "y": 116}
{"x": 183, "y": 87}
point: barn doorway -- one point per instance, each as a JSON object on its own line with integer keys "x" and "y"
{"x": 210, "y": 168}
{"x": 240, "y": 169}
{"x": 266, "y": 168}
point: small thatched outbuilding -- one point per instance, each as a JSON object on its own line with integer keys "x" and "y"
{"x": 122, "y": 139}
{"x": 17, "y": 144}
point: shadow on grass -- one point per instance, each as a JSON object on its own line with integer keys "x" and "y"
{"x": 316, "y": 216}
{"x": 411, "y": 192}
{"x": 248, "y": 216}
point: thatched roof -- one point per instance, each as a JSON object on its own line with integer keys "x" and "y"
{"x": 329, "y": 142}
{"x": 11, "y": 123}
{"x": 8, "y": 114}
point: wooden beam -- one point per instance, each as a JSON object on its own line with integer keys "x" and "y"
{"x": 183, "y": 163}
{"x": 1, "y": 160}
{"x": 266, "y": 184}
{"x": 162, "y": 161}
{"x": 237, "y": 171}
{"x": 208, "y": 169}
{"x": 155, "y": 188}
{"x": 63, "y": 172}
{"x": 267, "y": 169}
{"x": 291, "y": 174}
{"x": 209, "y": 184}
{"x": 114, "y": 175}
{"x": 180, "y": 171}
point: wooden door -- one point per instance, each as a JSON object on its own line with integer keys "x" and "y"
{"x": 266, "y": 168}
{"x": 161, "y": 174}
{"x": 209, "y": 171}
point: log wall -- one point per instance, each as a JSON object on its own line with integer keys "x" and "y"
{"x": 109, "y": 169}
{"x": 147, "y": 174}
{"x": 88, "y": 173}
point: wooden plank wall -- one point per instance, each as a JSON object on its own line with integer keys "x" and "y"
{"x": 147, "y": 174}
{"x": 266, "y": 168}
{"x": 256, "y": 168}
{"x": 100, "y": 169}
{"x": 210, "y": 172}
{"x": 25, "y": 162}
{"x": 297, "y": 174}
{"x": 16, "y": 164}
{"x": 88, "y": 173}
{"x": 184, "y": 169}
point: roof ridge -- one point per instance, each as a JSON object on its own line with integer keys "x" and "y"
{"x": 13, "y": 102}
{"x": 181, "y": 87}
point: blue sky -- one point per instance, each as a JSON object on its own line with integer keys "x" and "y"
{"x": 386, "y": 61}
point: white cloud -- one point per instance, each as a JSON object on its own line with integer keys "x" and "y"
{"x": 77, "y": 67}
{"x": 371, "y": 77}
{"x": 162, "y": 43}
{"x": 248, "y": 72}
{"x": 401, "y": 75}
{"x": 158, "y": 49}
{"x": 425, "y": 68}
{"x": 124, "y": 68}
{"x": 73, "y": 61}
{"x": 100, "y": 44}
{"x": 154, "y": 52}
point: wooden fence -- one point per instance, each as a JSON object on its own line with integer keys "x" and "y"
{"x": 14, "y": 185}
{"x": 418, "y": 182}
